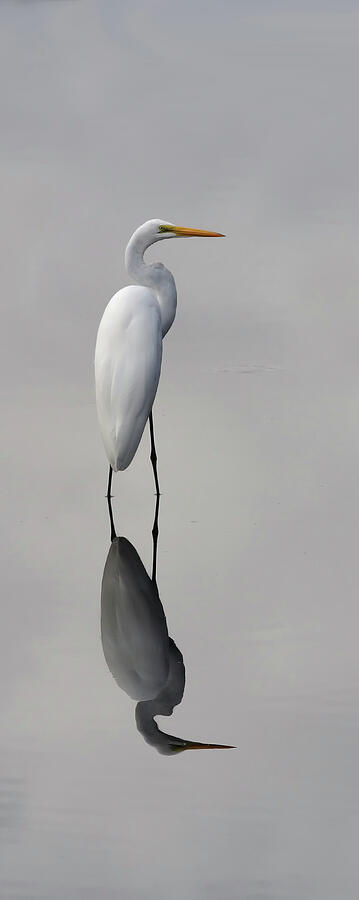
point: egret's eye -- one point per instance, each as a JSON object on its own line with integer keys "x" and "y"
{"x": 163, "y": 228}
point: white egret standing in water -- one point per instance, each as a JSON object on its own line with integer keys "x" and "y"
{"x": 129, "y": 346}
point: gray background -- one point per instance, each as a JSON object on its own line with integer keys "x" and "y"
{"x": 239, "y": 117}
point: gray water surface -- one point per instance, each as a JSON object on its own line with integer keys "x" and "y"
{"x": 238, "y": 117}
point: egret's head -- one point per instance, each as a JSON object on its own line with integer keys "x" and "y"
{"x": 158, "y": 230}
{"x": 167, "y": 230}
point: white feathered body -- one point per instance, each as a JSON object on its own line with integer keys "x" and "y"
{"x": 128, "y": 359}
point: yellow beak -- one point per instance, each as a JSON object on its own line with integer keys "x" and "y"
{"x": 194, "y": 232}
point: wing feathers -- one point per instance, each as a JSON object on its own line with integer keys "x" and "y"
{"x": 127, "y": 368}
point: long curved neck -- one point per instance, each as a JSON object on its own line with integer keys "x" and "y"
{"x": 144, "y": 715}
{"x": 146, "y": 725}
{"x": 156, "y": 277}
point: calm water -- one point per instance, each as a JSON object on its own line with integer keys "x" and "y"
{"x": 238, "y": 117}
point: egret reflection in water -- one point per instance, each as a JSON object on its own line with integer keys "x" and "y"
{"x": 143, "y": 659}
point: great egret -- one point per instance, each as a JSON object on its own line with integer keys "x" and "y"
{"x": 139, "y": 652}
{"x": 129, "y": 347}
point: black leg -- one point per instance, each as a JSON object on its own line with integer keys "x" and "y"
{"x": 155, "y": 539}
{"x": 153, "y": 455}
{"x": 112, "y": 524}
{"x": 109, "y": 483}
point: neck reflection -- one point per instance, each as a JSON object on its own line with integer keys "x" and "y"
{"x": 143, "y": 659}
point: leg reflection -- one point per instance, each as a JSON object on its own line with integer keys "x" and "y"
{"x": 155, "y": 533}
